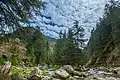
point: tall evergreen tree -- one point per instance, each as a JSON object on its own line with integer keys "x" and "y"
{"x": 67, "y": 47}
{"x": 107, "y": 33}
{"x": 15, "y": 13}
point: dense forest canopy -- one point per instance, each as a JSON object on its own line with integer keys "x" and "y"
{"x": 16, "y": 13}
{"x": 104, "y": 39}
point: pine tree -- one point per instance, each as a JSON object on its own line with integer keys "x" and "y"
{"x": 107, "y": 33}
{"x": 67, "y": 47}
{"x": 15, "y": 12}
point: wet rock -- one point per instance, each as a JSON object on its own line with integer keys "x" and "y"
{"x": 62, "y": 73}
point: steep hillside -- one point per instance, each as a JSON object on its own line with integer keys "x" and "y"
{"x": 104, "y": 44}
{"x": 37, "y": 46}
{"x": 13, "y": 51}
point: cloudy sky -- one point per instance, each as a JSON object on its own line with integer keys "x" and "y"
{"x": 60, "y": 14}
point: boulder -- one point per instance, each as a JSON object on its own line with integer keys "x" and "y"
{"x": 35, "y": 74}
{"x": 5, "y": 70}
{"x": 81, "y": 68}
{"x": 68, "y": 68}
{"x": 62, "y": 73}
{"x": 51, "y": 73}
{"x": 35, "y": 77}
{"x": 77, "y": 78}
{"x": 73, "y": 72}
{"x": 46, "y": 78}
{"x": 116, "y": 71}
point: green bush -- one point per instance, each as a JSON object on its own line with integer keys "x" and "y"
{"x": 2, "y": 60}
{"x": 14, "y": 60}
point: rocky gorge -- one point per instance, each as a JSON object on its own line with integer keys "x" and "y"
{"x": 66, "y": 72}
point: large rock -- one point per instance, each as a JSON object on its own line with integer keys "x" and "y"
{"x": 77, "y": 78}
{"x": 73, "y": 72}
{"x": 51, "y": 73}
{"x": 5, "y": 70}
{"x": 68, "y": 68}
{"x": 80, "y": 68}
{"x": 62, "y": 73}
{"x": 35, "y": 74}
{"x": 46, "y": 78}
{"x": 35, "y": 77}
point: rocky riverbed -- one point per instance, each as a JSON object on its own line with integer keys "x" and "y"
{"x": 66, "y": 72}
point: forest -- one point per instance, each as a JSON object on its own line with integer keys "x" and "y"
{"x": 27, "y": 53}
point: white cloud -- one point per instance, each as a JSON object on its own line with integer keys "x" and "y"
{"x": 64, "y": 12}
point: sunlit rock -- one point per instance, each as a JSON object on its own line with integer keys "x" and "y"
{"x": 62, "y": 73}
{"x": 35, "y": 74}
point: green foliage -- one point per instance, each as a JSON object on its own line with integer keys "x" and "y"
{"x": 14, "y": 60}
{"x": 67, "y": 49}
{"x": 23, "y": 71}
{"x": 15, "y": 12}
{"x": 56, "y": 67}
{"x": 45, "y": 74}
{"x": 38, "y": 46}
{"x": 106, "y": 28}
{"x": 13, "y": 50}
{"x": 2, "y": 60}
{"x": 107, "y": 32}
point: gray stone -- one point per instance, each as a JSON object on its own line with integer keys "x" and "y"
{"x": 68, "y": 68}
{"x": 62, "y": 73}
{"x": 35, "y": 77}
{"x": 46, "y": 78}
{"x": 35, "y": 74}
